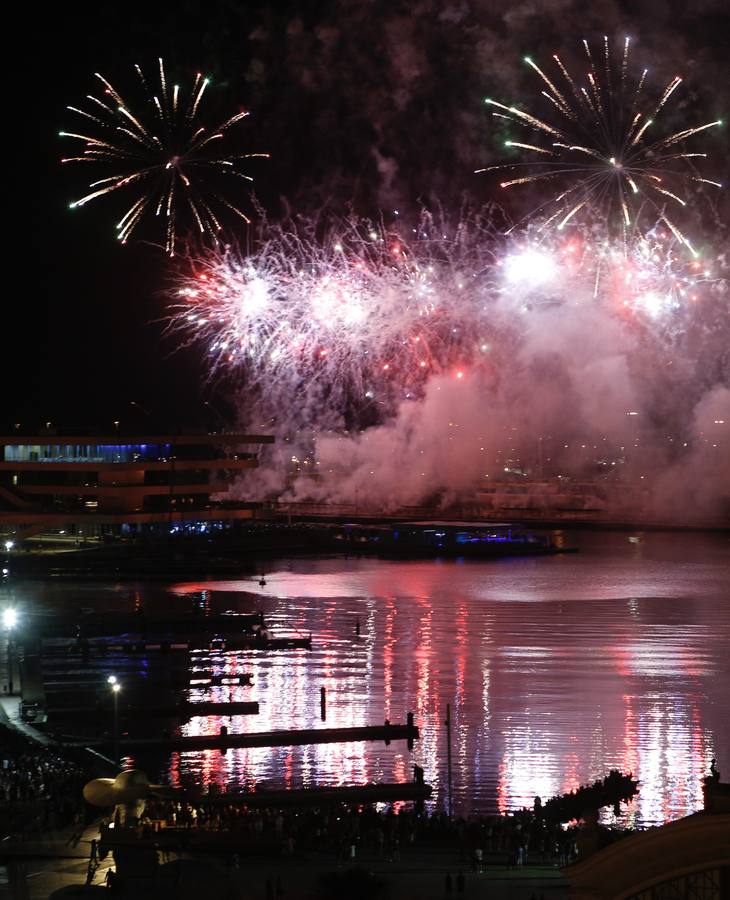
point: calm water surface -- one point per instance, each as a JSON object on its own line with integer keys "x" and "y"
{"x": 556, "y": 669}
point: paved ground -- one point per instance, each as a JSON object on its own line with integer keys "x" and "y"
{"x": 49, "y": 865}
{"x": 40, "y": 867}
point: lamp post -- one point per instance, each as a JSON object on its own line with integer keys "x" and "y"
{"x": 115, "y": 687}
{"x": 6, "y": 562}
{"x": 10, "y": 619}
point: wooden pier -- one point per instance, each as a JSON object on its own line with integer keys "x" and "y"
{"x": 85, "y": 625}
{"x": 285, "y": 738}
{"x": 87, "y": 648}
{"x": 158, "y": 711}
{"x": 83, "y": 681}
{"x": 322, "y": 796}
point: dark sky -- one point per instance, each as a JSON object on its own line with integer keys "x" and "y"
{"x": 369, "y": 105}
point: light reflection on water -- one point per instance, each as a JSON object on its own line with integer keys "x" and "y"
{"x": 556, "y": 670}
{"x": 553, "y": 678}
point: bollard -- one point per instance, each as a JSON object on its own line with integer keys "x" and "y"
{"x": 323, "y": 703}
{"x": 387, "y": 727}
{"x": 409, "y": 722}
{"x": 357, "y": 627}
{"x": 419, "y": 779}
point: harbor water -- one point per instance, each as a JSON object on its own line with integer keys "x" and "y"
{"x": 555, "y": 669}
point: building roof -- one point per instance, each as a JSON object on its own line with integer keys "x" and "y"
{"x": 233, "y": 437}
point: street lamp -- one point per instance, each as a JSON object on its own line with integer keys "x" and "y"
{"x": 115, "y": 687}
{"x": 10, "y": 620}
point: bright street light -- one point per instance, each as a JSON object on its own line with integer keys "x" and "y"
{"x": 116, "y": 687}
{"x": 9, "y": 545}
{"x": 10, "y": 620}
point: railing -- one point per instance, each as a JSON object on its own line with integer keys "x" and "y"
{"x": 478, "y": 513}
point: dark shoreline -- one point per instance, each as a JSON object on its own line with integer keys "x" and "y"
{"x": 242, "y": 553}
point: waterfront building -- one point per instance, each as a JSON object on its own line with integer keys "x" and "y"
{"x": 87, "y": 485}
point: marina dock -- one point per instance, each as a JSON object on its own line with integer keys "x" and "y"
{"x": 144, "y": 625}
{"x": 159, "y": 711}
{"x": 233, "y": 642}
{"x": 284, "y": 738}
{"x": 93, "y": 681}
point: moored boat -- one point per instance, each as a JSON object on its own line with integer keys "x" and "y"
{"x": 475, "y": 540}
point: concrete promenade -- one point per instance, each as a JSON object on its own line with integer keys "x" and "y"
{"x": 419, "y": 874}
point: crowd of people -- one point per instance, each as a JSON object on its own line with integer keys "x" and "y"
{"x": 349, "y": 832}
{"x": 41, "y": 793}
{"x": 40, "y": 790}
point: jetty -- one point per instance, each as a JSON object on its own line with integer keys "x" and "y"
{"x": 92, "y": 681}
{"x": 159, "y": 710}
{"x": 144, "y": 624}
{"x": 386, "y": 792}
{"x": 284, "y": 738}
{"x": 256, "y": 641}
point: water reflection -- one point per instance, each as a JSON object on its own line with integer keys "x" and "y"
{"x": 556, "y": 670}
{"x": 545, "y": 695}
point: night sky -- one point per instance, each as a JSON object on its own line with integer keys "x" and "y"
{"x": 366, "y": 106}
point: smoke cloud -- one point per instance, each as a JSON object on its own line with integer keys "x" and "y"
{"x": 569, "y": 396}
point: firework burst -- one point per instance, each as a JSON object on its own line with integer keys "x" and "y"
{"x": 649, "y": 281}
{"x": 167, "y": 163}
{"x": 600, "y": 145}
{"x": 362, "y": 320}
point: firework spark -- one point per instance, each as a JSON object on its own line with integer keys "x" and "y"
{"x": 161, "y": 156}
{"x": 361, "y": 318}
{"x": 599, "y": 147}
{"x": 647, "y": 280}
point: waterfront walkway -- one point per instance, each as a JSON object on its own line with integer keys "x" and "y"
{"x": 47, "y": 859}
{"x": 420, "y": 874}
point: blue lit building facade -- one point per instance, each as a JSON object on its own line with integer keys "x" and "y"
{"x": 90, "y": 483}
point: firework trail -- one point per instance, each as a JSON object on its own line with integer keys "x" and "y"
{"x": 599, "y": 147}
{"x": 161, "y": 156}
